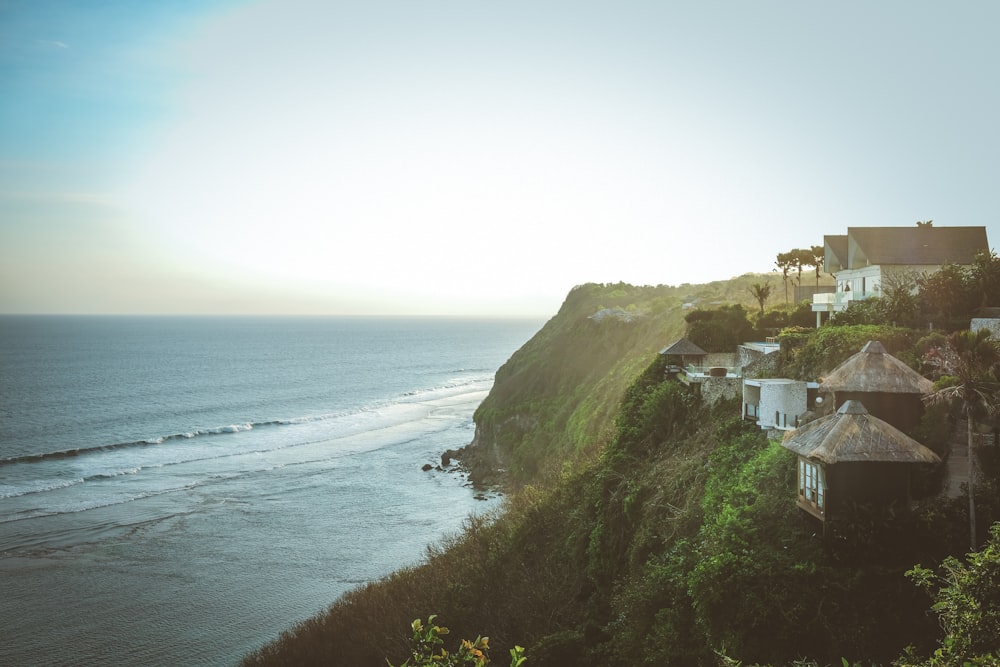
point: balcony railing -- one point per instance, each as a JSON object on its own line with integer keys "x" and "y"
{"x": 839, "y": 300}
{"x": 693, "y": 371}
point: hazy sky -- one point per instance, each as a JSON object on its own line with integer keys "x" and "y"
{"x": 469, "y": 156}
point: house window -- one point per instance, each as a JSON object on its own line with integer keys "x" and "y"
{"x": 812, "y": 494}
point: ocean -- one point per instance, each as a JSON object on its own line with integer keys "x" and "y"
{"x": 179, "y": 490}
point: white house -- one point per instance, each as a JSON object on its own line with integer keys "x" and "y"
{"x": 865, "y": 256}
{"x": 774, "y": 403}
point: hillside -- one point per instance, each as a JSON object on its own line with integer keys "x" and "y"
{"x": 650, "y": 528}
{"x": 554, "y": 401}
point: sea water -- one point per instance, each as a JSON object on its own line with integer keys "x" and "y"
{"x": 180, "y": 490}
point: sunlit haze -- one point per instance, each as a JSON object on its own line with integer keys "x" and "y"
{"x": 477, "y": 158}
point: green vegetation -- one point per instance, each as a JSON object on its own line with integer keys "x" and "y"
{"x": 427, "y": 651}
{"x": 809, "y": 354}
{"x": 652, "y": 529}
{"x": 720, "y": 329}
{"x": 967, "y": 602}
{"x": 946, "y": 299}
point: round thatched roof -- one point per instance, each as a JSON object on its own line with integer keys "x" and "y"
{"x": 684, "y": 347}
{"x": 874, "y": 370}
{"x": 852, "y": 435}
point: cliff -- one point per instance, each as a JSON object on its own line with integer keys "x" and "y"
{"x": 554, "y": 399}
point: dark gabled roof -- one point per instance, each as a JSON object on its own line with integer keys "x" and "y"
{"x": 874, "y": 370}
{"x": 835, "y": 245}
{"x": 852, "y": 435}
{"x": 917, "y": 245}
{"x": 683, "y": 347}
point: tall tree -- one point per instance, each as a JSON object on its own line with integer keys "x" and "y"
{"x": 785, "y": 262}
{"x": 801, "y": 258}
{"x": 795, "y": 261}
{"x": 947, "y": 297}
{"x": 760, "y": 292}
{"x": 818, "y": 254}
{"x": 976, "y": 387}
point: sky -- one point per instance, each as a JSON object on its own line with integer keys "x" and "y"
{"x": 464, "y": 157}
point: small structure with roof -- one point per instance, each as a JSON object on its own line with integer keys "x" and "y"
{"x": 889, "y": 389}
{"x": 682, "y": 353}
{"x": 853, "y": 456}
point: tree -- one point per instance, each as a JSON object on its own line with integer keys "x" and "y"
{"x": 800, "y": 259}
{"x": 818, "y": 259}
{"x": 760, "y": 292}
{"x": 925, "y": 223}
{"x": 899, "y": 301}
{"x": 974, "y": 384}
{"x": 719, "y": 330}
{"x": 984, "y": 277}
{"x": 785, "y": 262}
{"x": 796, "y": 258}
{"x": 946, "y": 297}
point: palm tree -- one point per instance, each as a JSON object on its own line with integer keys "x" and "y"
{"x": 760, "y": 292}
{"x": 977, "y": 388}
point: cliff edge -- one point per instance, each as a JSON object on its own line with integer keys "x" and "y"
{"x": 554, "y": 401}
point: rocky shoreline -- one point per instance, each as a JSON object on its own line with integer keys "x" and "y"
{"x": 481, "y": 473}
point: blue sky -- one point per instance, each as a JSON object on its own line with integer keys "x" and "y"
{"x": 475, "y": 158}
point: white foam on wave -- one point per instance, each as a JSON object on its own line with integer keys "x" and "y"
{"x": 36, "y": 486}
{"x": 118, "y": 473}
{"x": 78, "y": 503}
{"x": 123, "y": 474}
{"x": 456, "y": 386}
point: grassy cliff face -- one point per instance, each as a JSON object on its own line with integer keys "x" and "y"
{"x": 554, "y": 401}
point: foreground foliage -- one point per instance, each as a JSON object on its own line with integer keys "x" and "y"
{"x": 427, "y": 651}
{"x": 967, "y": 602}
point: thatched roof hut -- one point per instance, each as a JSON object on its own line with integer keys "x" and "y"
{"x": 854, "y": 435}
{"x": 685, "y": 348}
{"x": 873, "y": 370}
{"x": 680, "y": 353}
{"x": 890, "y": 389}
{"x": 853, "y": 457}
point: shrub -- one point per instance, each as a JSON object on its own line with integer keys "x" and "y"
{"x": 829, "y": 346}
{"x": 967, "y": 602}
{"x": 427, "y": 651}
{"x": 719, "y": 330}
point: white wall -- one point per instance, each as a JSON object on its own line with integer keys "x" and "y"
{"x": 781, "y": 401}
